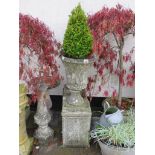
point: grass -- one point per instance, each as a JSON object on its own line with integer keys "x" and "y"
{"x": 121, "y": 135}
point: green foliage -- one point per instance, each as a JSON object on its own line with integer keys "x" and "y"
{"x": 121, "y": 135}
{"x": 77, "y": 39}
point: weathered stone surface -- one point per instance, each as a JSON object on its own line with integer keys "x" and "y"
{"x": 55, "y": 146}
{"x": 77, "y": 78}
{"x": 42, "y": 116}
{"x": 76, "y": 124}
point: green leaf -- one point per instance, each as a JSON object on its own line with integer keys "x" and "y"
{"x": 78, "y": 39}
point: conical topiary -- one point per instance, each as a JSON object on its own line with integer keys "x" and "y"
{"x": 78, "y": 38}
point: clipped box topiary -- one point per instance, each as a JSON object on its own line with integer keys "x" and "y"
{"x": 78, "y": 39}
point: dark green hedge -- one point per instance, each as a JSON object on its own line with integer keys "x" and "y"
{"x": 78, "y": 38}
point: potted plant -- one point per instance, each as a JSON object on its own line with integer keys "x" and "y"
{"x": 118, "y": 139}
{"x": 76, "y": 56}
{"x": 77, "y": 59}
{"x": 38, "y": 67}
{"x": 110, "y": 28}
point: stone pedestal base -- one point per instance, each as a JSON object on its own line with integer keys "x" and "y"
{"x": 76, "y": 124}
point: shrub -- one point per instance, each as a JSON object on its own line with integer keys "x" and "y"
{"x": 78, "y": 39}
{"x": 110, "y": 28}
{"x": 38, "y": 49}
{"x": 121, "y": 135}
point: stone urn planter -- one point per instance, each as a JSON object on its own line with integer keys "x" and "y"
{"x": 77, "y": 78}
{"x": 76, "y": 111}
{"x": 25, "y": 143}
{"x": 113, "y": 150}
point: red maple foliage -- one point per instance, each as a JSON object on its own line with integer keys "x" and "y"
{"x": 37, "y": 54}
{"x": 116, "y": 23}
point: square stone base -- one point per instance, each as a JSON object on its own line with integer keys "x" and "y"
{"x": 75, "y": 124}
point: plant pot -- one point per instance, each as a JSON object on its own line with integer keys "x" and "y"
{"x": 113, "y": 150}
{"x": 77, "y": 78}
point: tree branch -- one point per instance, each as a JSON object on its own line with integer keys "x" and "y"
{"x": 116, "y": 39}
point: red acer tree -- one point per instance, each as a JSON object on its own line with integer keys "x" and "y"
{"x": 37, "y": 54}
{"x": 110, "y": 28}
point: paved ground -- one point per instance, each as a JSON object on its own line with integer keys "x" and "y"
{"x": 59, "y": 150}
{"x": 75, "y": 151}
{"x": 54, "y": 147}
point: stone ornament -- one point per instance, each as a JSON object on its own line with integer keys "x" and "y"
{"x": 75, "y": 123}
{"x": 42, "y": 116}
